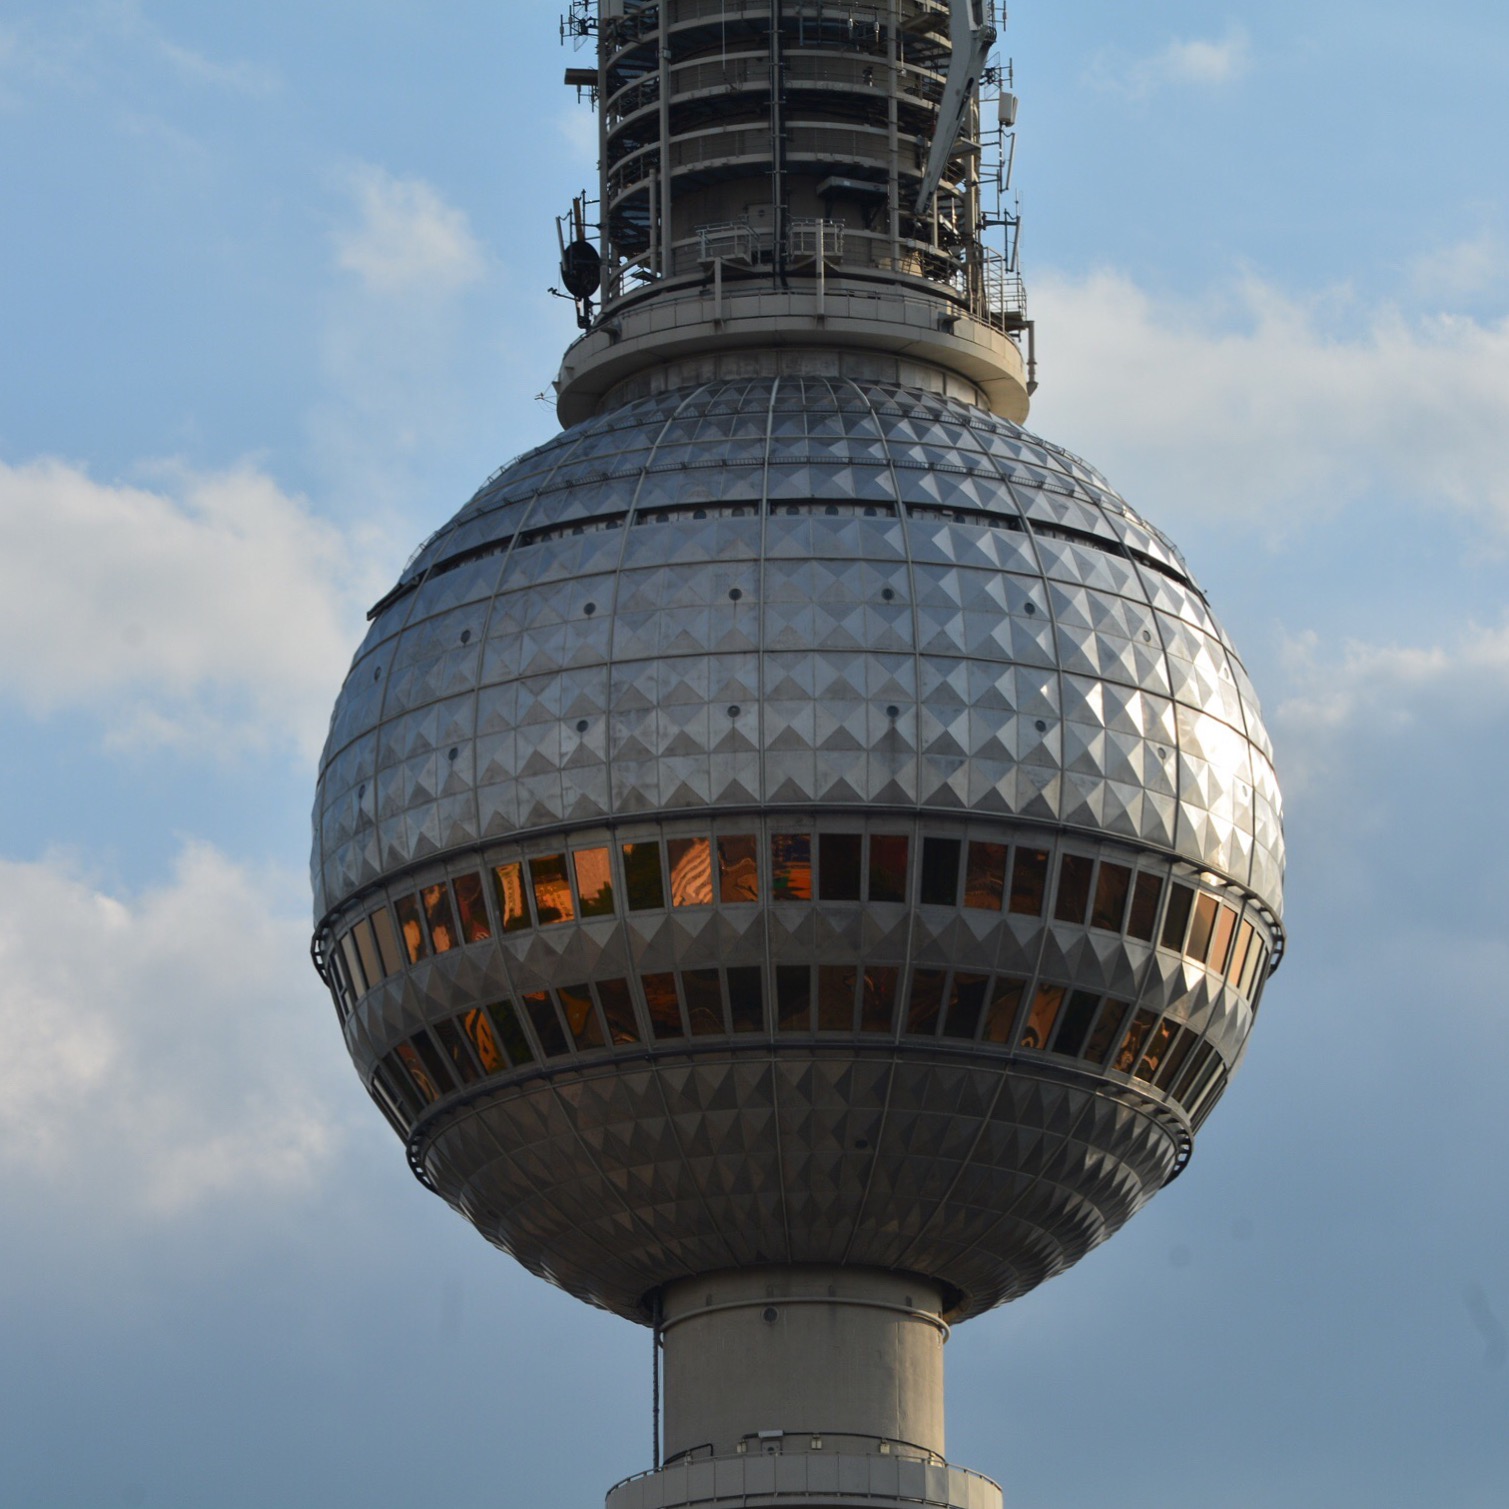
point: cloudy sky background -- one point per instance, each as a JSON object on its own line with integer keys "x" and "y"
{"x": 272, "y": 303}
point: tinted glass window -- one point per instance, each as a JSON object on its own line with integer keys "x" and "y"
{"x": 1180, "y": 900}
{"x": 793, "y": 997}
{"x": 1157, "y": 1050}
{"x": 594, "y": 882}
{"x": 618, "y": 1007}
{"x": 513, "y": 906}
{"x": 388, "y": 946}
{"x": 1175, "y": 1059}
{"x": 966, "y": 1005}
{"x": 1220, "y": 944}
{"x": 643, "y": 878}
{"x": 1201, "y": 928}
{"x": 691, "y": 861}
{"x": 429, "y": 1056}
{"x": 838, "y": 866}
{"x": 704, "y": 1001}
{"x": 940, "y": 872}
{"x": 1107, "y": 1033}
{"x": 1005, "y": 1003}
{"x": 1193, "y": 1071}
{"x": 552, "y": 890}
{"x": 888, "y": 864}
{"x": 411, "y": 927}
{"x": 738, "y": 868}
{"x": 925, "y": 1002}
{"x": 1047, "y": 1001}
{"x": 836, "y": 988}
{"x": 1029, "y": 880}
{"x": 442, "y": 920}
{"x": 511, "y": 1033}
{"x": 664, "y": 1005}
{"x": 1245, "y": 936}
{"x": 471, "y": 907}
{"x": 398, "y": 1086}
{"x": 1145, "y": 898}
{"x": 547, "y": 1026}
{"x": 985, "y": 877}
{"x": 1074, "y": 1025}
{"x": 791, "y": 866}
{"x": 353, "y": 959}
{"x": 877, "y": 1002}
{"x": 576, "y": 1002}
{"x": 746, "y": 999}
{"x": 451, "y": 1039}
{"x": 1073, "y": 888}
{"x": 479, "y": 1033}
{"x": 1131, "y": 1044}
{"x": 418, "y": 1073}
{"x": 1111, "y": 887}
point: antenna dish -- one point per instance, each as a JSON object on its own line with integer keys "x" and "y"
{"x": 581, "y": 269}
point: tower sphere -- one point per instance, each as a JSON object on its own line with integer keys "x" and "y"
{"x": 797, "y": 817}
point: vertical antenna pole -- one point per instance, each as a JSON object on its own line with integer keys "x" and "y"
{"x": 655, "y": 1384}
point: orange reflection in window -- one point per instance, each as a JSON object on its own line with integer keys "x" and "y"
{"x": 418, "y": 1072}
{"x": 1045, "y": 1008}
{"x": 1131, "y": 1044}
{"x": 1113, "y": 1017}
{"x": 1029, "y": 880}
{"x": 877, "y": 1004}
{"x": 1201, "y": 928}
{"x": 576, "y": 1000}
{"x": 437, "y": 911}
{"x": 1157, "y": 1050}
{"x": 664, "y": 1004}
{"x": 691, "y": 871}
{"x": 1239, "y": 956}
{"x": 1220, "y": 945}
{"x": 594, "y": 882}
{"x": 791, "y": 866}
{"x": 1004, "y": 1005}
{"x": 738, "y": 868}
{"x": 411, "y": 927}
{"x": 476, "y": 927}
{"x": 618, "y": 1007}
{"x": 552, "y": 891}
{"x": 513, "y": 907}
{"x": 479, "y": 1032}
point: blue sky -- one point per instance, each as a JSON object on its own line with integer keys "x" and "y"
{"x": 272, "y": 303}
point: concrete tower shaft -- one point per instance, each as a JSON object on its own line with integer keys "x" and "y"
{"x": 780, "y": 177}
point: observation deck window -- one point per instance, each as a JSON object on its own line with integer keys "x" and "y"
{"x": 877, "y": 1002}
{"x": 793, "y": 997}
{"x": 547, "y": 1025}
{"x": 1047, "y": 1001}
{"x": 552, "y": 890}
{"x": 738, "y": 868}
{"x": 511, "y": 1033}
{"x": 1004, "y": 1006}
{"x": 1107, "y": 1033}
{"x": 441, "y": 918}
{"x": 594, "y": 882}
{"x": 643, "y": 878}
{"x": 791, "y": 866}
{"x": 1176, "y": 920}
{"x": 1146, "y": 895}
{"x": 1073, "y": 899}
{"x": 388, "y": 946}
{"x": 513, "y": 903}
{"x": 691, "y": 861}
{"x": 1184, "y": 1044}
{"x": 746, "y": 998}
{"x": 471, "y": 904}
{"x": 1245, "y": 935}
{"x": 889, "y": 854}
{"x": 1202, "y": 929}
{"x": 618, "y": 1008}
{"x": 412, "y": 928}
{"x": 985, "y": 877}
{"x": 479, "y": 1033}
{"x": 1156, "y": 1052}
{"x": 664, "y": 1006}
{"x": 351, "y": 957}
{"x": 1220, "y": 944}
{"x": 836, "y": 987}
{"x": 838, "y": 866}
{"x": 1029, "y": 881}
{"x": 463, "y": 1064}
{"x": 1131, "y": 1044}
{"x": 1111, "y": 888}
{"x": 940, "y": 872}
{"x": 966, "y": 1005}
{"x": 1074, "y": 1027}
{"x": 704, "y": 1002}
{"x": 925, "y": 1002}
{"x": 581, "y": 1017}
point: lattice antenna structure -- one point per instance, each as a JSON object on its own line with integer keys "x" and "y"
{"x": 796, "y": 858}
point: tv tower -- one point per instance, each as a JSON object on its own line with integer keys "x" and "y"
{"x": 796, "y": 859}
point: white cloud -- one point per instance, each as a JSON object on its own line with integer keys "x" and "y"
{"x": 1460, "y": 271}
{"x": 239, "y": 77}
{"x": 1195, "y": 61}
{"x": 408, "y": 239}
{"x": 1250, "y": 407}
{"x": 210, "y": 610}
{"x": 164, "y": 1049}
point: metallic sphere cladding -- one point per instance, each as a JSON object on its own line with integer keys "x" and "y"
{"x": 797, "y": 820}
